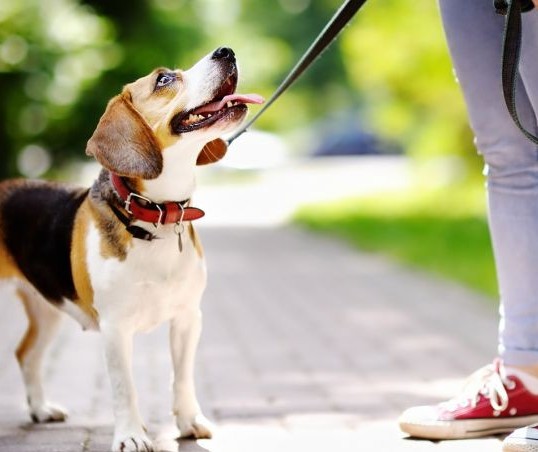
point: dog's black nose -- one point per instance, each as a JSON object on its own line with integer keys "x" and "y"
{"x": 223, "y": 53}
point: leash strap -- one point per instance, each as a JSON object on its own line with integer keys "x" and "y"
{"x": 512, "y": 9}
{"x": 328, "y": 34}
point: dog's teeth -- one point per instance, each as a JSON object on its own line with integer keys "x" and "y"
{"x": 229, "y": 104}
{"x": 194, "y": 118}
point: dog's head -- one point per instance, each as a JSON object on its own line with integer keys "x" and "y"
{"x": 188, "y": 110}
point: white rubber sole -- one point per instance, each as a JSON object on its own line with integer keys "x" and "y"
{"x": 522, "y": 440}
{"x": 519, "y": 446}
{"x": 462, "y": 429}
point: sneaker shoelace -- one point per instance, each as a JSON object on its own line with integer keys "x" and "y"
{"x": 490, "y": 382}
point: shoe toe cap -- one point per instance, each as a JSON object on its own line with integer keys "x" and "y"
{"x": 420, "y": 414}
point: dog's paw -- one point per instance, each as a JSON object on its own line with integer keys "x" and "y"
{"x": 48, "y": 412}
{"x": 131, "y": 442}
{"x": 198, "y": 427}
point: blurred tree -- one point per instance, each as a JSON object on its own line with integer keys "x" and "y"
{"x": 61, "y": 60}
{"x": 395, "y": 54}
{"x": 271, "y": 37}
{"x": 50, "y": 51}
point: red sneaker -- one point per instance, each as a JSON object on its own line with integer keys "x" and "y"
{"x": 491, "y": 402}
{"x": 522, "y": 440}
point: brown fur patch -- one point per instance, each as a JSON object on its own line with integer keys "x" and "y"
{"x": 115, "y": 240}
{"x": 196, "y": 240}
{"x": 8, "y": 268}
{"x": 79, "y": 268}
{"x": 155, "y": 104}
{"x": 30, "y": 336}
{"x": 124, "y": 143}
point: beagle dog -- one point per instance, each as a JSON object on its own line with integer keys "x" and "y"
{"x": 123, "y": 256}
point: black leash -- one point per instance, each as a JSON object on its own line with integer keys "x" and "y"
{"x": 512, "y": 9}
{"x": 328, "y": 34}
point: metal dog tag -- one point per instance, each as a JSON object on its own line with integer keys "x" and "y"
{"x": 178, "y": 229}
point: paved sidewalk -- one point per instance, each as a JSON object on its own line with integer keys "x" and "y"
{"x": 307, "y": 346}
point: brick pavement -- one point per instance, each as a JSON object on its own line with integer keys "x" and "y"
{"x": 307, "y": 346}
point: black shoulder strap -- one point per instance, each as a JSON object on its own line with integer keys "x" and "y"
{"x": 511, "y": 52}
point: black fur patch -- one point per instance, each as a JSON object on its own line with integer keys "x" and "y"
{"x": 37, "y": 225}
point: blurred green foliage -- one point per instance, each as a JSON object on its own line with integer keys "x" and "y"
{"x": 61, "y": 60}
{"x": 397, "y": 57}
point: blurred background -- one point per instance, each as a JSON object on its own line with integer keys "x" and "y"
{"x": 372, "y": 144}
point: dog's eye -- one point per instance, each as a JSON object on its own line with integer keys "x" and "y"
{"x": 165, "y": 79}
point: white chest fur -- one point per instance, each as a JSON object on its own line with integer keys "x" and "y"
{"x": 177, "y": 180}
{"x": 155, "y": 282}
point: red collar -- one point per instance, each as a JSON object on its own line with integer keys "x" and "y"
{"x": 144, "y": 209}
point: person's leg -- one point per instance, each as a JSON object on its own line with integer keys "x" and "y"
{"x": 524, "y": 439}
{"x": 474, "y": 33}
{"x": 502, "y": 398}
{"x": 514, "y": 219}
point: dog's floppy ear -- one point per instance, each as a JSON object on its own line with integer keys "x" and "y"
{"x": 212, "y": 152}
{"x": 124, "y": 143}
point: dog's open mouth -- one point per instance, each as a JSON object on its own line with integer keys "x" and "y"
{"x": 225, "y": 104}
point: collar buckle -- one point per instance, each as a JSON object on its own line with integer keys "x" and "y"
{"x": 129, "y": 200}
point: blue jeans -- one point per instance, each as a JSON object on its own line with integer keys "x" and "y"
{"x": 474, "y": 33}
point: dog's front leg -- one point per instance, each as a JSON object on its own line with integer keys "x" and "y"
{"x": 129, "y": 434}
{"x": 185, "y": 332}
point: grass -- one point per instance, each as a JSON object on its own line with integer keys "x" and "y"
{"x": 443, "y": 231}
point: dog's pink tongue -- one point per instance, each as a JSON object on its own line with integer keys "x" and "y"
{"x": 240, "y": 98}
